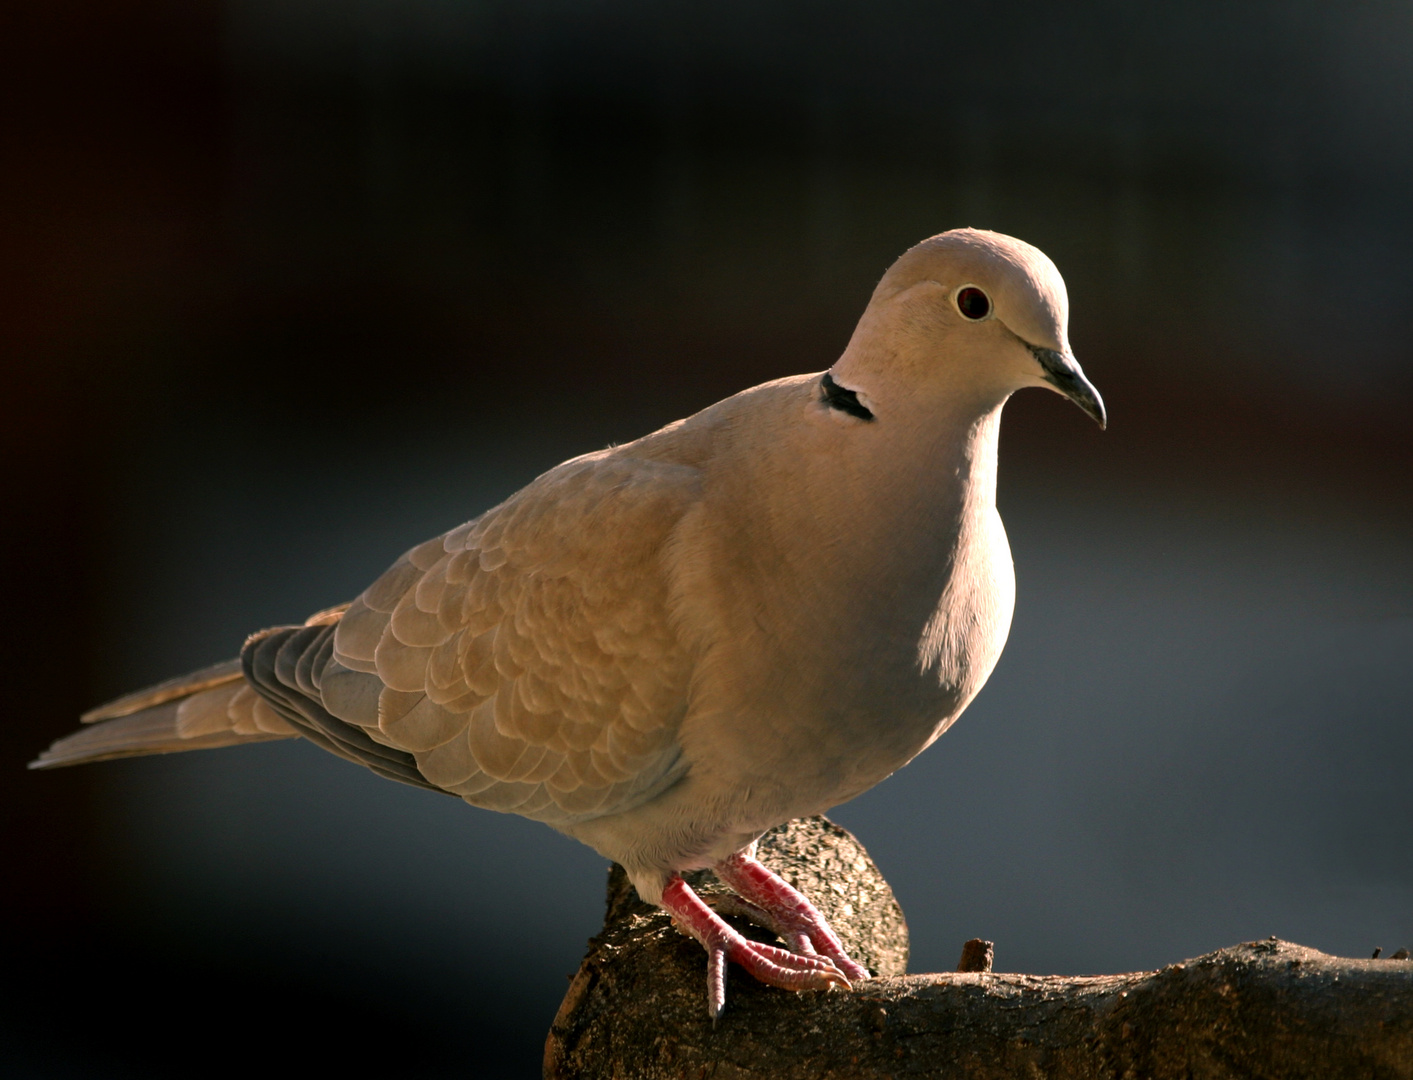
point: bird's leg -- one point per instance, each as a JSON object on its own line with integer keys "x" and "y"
{"x": 795, "y": 919}
{"x": 772, "y": 966}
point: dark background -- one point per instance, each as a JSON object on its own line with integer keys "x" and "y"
{"x": 290, "y": 286}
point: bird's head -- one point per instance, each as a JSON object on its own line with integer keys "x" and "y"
{"x": 967, "y": 314}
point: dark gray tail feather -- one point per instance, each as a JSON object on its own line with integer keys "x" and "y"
{"x": 285, "y": 665}
{"x": 152, "y": 731}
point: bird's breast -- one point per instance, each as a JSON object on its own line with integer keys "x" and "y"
{"x": 964, "y": 636}
{"x": 811, "y": 700}
{"x": 940, "y": 661}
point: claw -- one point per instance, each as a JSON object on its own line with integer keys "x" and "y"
{"x": 716, "y": 983}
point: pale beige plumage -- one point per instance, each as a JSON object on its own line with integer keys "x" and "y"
{"x": 670, "y": 646}
{"x": 526, "y": 664}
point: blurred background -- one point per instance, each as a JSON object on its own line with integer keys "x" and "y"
{"x": 291, "y": 285}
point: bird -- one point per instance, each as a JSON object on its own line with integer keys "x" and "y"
{"x": 670, "y": 646}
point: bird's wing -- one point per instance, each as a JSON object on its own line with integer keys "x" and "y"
{"x": 527, "y": 661}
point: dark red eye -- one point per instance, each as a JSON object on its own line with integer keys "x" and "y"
{"x": 973, "y": 303}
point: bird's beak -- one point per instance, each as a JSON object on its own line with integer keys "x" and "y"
{"x": 1062, "y": 371}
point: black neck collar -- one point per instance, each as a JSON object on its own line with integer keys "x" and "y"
{"x": 836, "y": 397}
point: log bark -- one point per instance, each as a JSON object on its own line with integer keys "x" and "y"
{"x": 636, "y": 1008}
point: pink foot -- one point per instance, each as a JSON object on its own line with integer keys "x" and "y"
{"x": 798, "y": 921}
{"x": 772, "y": 966}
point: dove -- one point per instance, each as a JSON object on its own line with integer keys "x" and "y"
{"x": 670, "y": 646}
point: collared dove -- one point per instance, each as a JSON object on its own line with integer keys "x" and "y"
{"x": 668, "y": 647}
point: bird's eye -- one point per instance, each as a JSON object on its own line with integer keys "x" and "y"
{"x": 973, "y": 303}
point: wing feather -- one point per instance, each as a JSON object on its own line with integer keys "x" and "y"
{"x": 400, "y": 666}
{"x": 350, "y": 695}
{"x": 527, "y": 660}
{"x": 384, "y": 593}
{"x": 413, "y": 626}
{"x": 357, "y": 635}
{"x": 425, "y": 726}
{"x": 426, "y": 555}
{"x": 449, "y": 764}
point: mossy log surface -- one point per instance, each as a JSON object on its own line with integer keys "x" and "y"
{"x": 636, "y": 1008}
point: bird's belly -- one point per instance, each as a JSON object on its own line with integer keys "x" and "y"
{"x": 907, "y": 689}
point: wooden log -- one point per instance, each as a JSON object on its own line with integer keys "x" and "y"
{"x": 636, "y": 1008}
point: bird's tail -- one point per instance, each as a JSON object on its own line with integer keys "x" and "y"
{"x": 201, "y": 711}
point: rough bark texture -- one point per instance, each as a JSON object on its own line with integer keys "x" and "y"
{"x": 636, "y": 1008}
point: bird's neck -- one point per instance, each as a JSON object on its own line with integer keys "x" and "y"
{"x": 935, "y": 470}
{"x": 933, "y": 442}
{"x": 892, "y": 523}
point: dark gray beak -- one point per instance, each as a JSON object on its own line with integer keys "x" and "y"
{"x": 1063, "y": 373}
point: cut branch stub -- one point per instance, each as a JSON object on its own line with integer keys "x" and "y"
{"x": 977, "y": 955}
